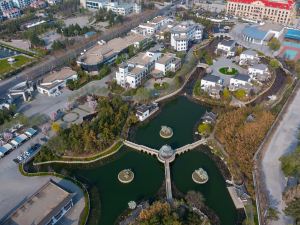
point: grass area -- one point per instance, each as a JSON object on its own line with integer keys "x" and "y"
{"x": 161, "y": 86}
{"x": 6, "y": 67}
{"x": 228, "y": 71}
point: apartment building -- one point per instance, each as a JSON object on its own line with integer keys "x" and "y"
{"x": 279, "y": 11}
{"x": 183, "y": 34}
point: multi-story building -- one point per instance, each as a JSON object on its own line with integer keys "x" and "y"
{"x": 279, "y": 11}
{"x": 168, "y": 62}
{"x": 184, "y": 33}
{"x": 152, "y": 26}
{"x": 123, "y": 9}
{"x": 12, "y": 13}
{"x": 21, "y": 4}
{"x": 6, "y": 5}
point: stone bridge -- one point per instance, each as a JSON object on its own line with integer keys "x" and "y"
{"x": 141, "y": 148}
{"x": 191, "y": 146}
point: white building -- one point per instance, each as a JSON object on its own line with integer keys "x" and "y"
{"x": 12, "y": 13}
{"x": 240, "y": 81}
{"x": 227, "y": 46}
{"x": 259, "y": 72}
{"x": 129, "y": 76}
{"x": 168, "y": 62}
{"x": 152, "y": 26}
{"x": 145, "y": 60}
{"x": 52, "y": 83}
{"x": 210, "y": 81}
{"x": 248, "y": 55}
{"x": 123, "y": 9}
{"x": 184, "y": 33}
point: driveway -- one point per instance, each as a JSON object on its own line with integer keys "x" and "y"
{"x": 283, "y": 141}
{"x": 16, "y": 188}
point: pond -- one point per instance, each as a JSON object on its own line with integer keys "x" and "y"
{"x": 181, "y": 115}
{"x": 5, "y": 52}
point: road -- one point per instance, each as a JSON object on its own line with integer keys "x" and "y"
{"x": 54, "y": 61}
{"x": 283, "y": 141}
{"x": 15, "y": 188}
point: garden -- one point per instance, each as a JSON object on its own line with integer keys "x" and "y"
{"x": 228, "y": 71}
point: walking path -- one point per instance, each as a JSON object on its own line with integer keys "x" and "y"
{"x": 284, "y": 140}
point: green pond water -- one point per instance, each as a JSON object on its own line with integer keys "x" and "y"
{"x": 181, "y": 115}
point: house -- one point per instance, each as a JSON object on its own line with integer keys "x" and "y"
{"x": 227, "y": 47}
{"x": 210, "y": 81}
{"x": 259, "y": 72}
{"x": 212, "y": 85}
{"x": 12, "y": 13}
{"x": 144, "y": 111}
{"x": 130, "y": 76}
{"x": 168, "y": 62}
{"x": 240, "y": 81}
{"x": 209, "y": 117}
{"x": 248, "y": 55}
{"x": 183, "y": 34}
{"x": 53, "y": 82}
{"x": 152, "y": 26}
{"x": 145, "y": 59}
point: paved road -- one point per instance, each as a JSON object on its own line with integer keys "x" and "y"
{"x": 15, "y": 188}
{"x": 51, "y": 62}
{"x": 283, "y": 141}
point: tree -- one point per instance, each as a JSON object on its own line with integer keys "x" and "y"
{"x": 226, "y": 94}
{"x": 55, "y": 127}
{"x": 274, "y": 64}
{"x": 293, "y": 210}
{"x": 274, "y": 44}
{"x": 58, "y": 45}
{"x": 143, "y": 95}
{"x": 240, "y": 94}
{"x": 105, "y": 70}
{"x": 204, "y": 129}
{"x": 272, "y": 214}
{"x": 290, "y": 164}
{"x": 194, "y": 199}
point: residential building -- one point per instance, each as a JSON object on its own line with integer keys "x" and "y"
{"x": 4, "y": 103}
{"x": 47, "y": 206}
{"x": 144, "y": 111}
{"x": 168, "y": 62}
{"x": 12, "y": 13}
{"x": 248, "y": 56}
{"x": 53, "y": 2}
{"x": 21, "y": 4}
{"x": 123, "y": 9}
{"x": 152, "y": 26}
{"x": 259, "y": 72}
{"x": 262, "y": 34}
{"x": 240, "y": 81}
{"x": 279, "y": 11}
{"x": 226, "y": 47}
{"x": 6, "y": 5}
{"x": 130, "y": 76}
{"x": 210, "y": 81}
{"x": 52, "y": 83}
{"x": 183, "y": 34}
{"x": 145, "y": 60}
{"x": 38, "y": 4}
{"x": 106, "y": 52}
{"x": 209, "y": 117}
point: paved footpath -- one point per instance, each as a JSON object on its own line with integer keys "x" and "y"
{"x": 283, "y": 141}
{"x": 16, "y": 188}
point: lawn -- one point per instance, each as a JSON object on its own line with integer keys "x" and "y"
{"x": 5, "y": 67}
{"x": 227, "y": 71}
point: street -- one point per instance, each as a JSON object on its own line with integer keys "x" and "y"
{"x": 283, "y": 141}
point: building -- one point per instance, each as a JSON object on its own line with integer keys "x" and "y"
{"x": 132, "y": 73}
{"x": 209, "y": 117}
{"x": 47, "y": 206}
{"x": 106, "y": 52}
{"x": 226, "y": 47}
{"x": 279, "y": 11}
{"x": 210, "y": 81}
{"x": 38, "y": 4}
{"x": 168, "y": 62}
{"x": 53, "y": 2}
{"x": 262, "y": 34}
{"x": 259, "y": 72}
{"x": 22, "y": 4}
{"x": 4, "y": 103}
{"x": 183, "y": 34}
{"x": 290, "y": 45}
{"x": 53, "y": 82}
{"x": 152, "y": 26}
{"x": 6, "y": 5}
{"x": 248, "y": 56}
{"x": 144, "y": 111}
{"x": 12, "y": 13}
{"x": 123, "y": 9}
{"x": 240, "y": 81}
{"x": 130, "y": 76}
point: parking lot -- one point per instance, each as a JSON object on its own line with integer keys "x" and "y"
{"x": 16, "y": 188}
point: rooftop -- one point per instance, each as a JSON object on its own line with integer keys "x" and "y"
{"x": 259, "y": 32}
{"x": 40, "y": 207}
{"x": 62, "y": 74}
{"x": 134, "y": 71}
{"x": 185, "y": 26}
{"x": 241, "y": 77}
{"x": 227, "y": 43}
{"x": 259, "y": 66}
{"x": 211, "y": 78}
{"x": 100, "y": 52}
{"x": 166, "y": 58}
{"x": 141, "y": 58}
{"x": 293, "y": 34}
{"x": 249, "y": 52}
{"x": 273, "y": 4}
{"x": 157, "y": 19}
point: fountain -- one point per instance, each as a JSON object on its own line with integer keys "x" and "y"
{"x": 200, "y": 176}
{"x": 126, "y": 176}
{"x": 166, "y": 132}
